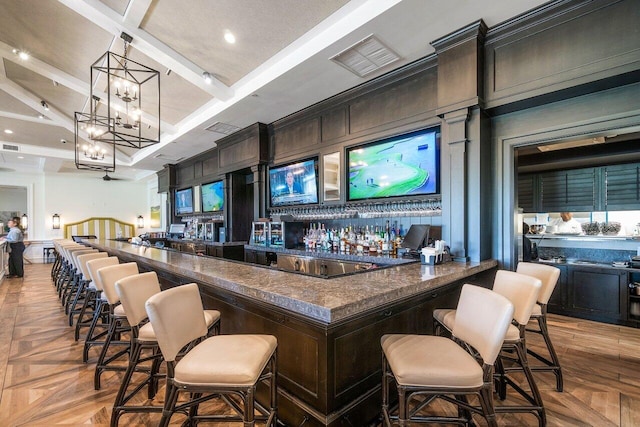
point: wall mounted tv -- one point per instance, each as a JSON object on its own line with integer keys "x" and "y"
{"x": 294, "y": 183}
{"x": 184, "y": 201}
{"x": 212, "y": 196}
{"x": 404, "y": 165}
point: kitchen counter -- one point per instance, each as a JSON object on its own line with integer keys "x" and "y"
{"x": 316, "y": 298}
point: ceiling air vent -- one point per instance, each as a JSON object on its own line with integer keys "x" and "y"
{"x": 223, "y": 128}
{"x": 366, "y": 56}
{"x": 168, "y": 158}
{"x": 10, "y": 147}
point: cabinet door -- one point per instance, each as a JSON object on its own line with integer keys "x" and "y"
{"x": 250, "y": 256}
{"x": 528, "y": 192}
{"x": 600, "y": 294}
{"x": 558, "y": 299}
{"x": 622, "y": 187}
{"x": 569, "y": 190}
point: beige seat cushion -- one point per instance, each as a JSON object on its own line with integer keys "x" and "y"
{"x": 423, "y": 360}
{"x": 146, "y": 333}
{"x": 226, "y": 360}
{"x": 513, "y": 334}
{"x": 446, "y": 316}
{"x": 537, "y": 311}
{"x": 119, "y": 311}
{"x": 211, "y": 317}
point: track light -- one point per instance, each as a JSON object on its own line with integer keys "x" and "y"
{"x": 44, "y": 105}
{"x": 207, "y": 77}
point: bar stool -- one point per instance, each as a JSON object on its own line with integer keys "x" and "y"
{"x": 74, "y": 271}
{"x": 117, "y": 319}
{"x": 221, "y": 365}
{"x": 549, "y": 276}
{"x": 522, "y": 291}
{"x": 67, "y": 272}
{"x": 83, "y": 281}
{"x": 426, "y": 367}
{"x": 101, "y": 309}
{"x": 134, "y": 291}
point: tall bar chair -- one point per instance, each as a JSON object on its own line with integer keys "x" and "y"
{"x": 72, "y": 284}
{"x": 522, "y": 291}
{"x": 57, "y": 246}
{"x": 134, "y": 291}
{"x": 222, "y": 365}
{"x": 426, "y": 367}
{"x": 117, "y": 320}
{"x": 66, "y": 273}
{"x": 549, "y": 276}
{"x": 101, "y": 309}
{"x": 83, "y": 282}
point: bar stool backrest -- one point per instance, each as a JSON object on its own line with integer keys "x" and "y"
{"x": 75, "y": 254}
{"x": 548, "y": 275}
{"x": 521, "y": 290}
{"x": 134, "y": 291}
{"x": 110, "y": 275}
{"x": 177, "y": 317}
{"x": 68, "y": 252}
{"x": 83, "y": 259}
{"x": 482, "y": 319}
{"x": 96, "y": 264}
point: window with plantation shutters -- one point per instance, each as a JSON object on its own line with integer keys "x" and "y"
{"x": 569, "y": 190}
{"x": 527, "y": 192}
{"x": 622, "y": 187}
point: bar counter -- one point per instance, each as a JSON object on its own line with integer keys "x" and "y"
{"x": 328, "y": 330}
{"x": 323, "y": 300}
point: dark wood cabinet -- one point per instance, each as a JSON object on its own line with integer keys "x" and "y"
{"x": 597, "y": 293}
{"x": 228, "y": 251}
{"x": 558, "y": 299}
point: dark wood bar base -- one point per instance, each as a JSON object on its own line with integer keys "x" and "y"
{"x": 328, "y": 374}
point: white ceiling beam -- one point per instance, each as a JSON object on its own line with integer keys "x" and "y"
{"x": 71, "y": 82}
{"x": 25, "y": 118}
{"x": 109, "y": 20}
{"x": 136, "y": 10}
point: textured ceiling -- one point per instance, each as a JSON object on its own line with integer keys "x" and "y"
{"x": 278, "y": 64}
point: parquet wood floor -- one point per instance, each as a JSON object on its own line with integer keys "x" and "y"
{"x": 44, "y": 382}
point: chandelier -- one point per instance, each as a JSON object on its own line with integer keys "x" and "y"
{"x": 94, "y": 152}
{"x": 133, "y": 120}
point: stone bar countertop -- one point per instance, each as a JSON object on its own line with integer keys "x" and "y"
{"x": 378, "y": 259}
{"x": 324, "y": 300}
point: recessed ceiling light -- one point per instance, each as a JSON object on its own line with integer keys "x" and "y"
{"x": 9, "y": 131}
{"x": 21, "y": 157}
{"x": 40, "y": 116}
{"x": 21, "y": 54}
{"x": 229, "y": 37}
{"x": 207, "y": 77}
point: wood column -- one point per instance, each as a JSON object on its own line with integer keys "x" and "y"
{"x": 259, "y": 191}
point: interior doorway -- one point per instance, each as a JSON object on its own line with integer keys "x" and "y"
{"x": 13, "y": 202}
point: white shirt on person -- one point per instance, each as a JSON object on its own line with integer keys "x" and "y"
{"x": 572, "y": 226}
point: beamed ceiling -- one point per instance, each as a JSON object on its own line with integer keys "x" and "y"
{"x": 278, "y": 65}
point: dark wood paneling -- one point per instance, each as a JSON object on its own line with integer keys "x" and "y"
{"x": 296, "y": 138}
{"x": 245, "y": 148}
{"x": 210, "y": 165}
{"x": 334, "y": 124}
{"x": 393, "y": 104}
{"x": 167, "y": 179}
{"x": 186, "y": 174}
{"x": 560, "y": 46}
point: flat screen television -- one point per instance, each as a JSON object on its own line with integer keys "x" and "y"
{"x": 294, "y": 183}
{"x": 404, "y": 165}
{"x": 212, "y": 196}
{"x": 184, "y": 201}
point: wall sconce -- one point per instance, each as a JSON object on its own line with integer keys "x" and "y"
{"x": 56, "y": 221}
{"x": 140, "y": 221}
{"x": 24, "y": 222}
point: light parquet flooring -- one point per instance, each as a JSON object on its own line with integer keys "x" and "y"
{"x": 44, "y": 382}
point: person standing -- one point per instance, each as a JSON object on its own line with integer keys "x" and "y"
{"x": 15, "y": 239}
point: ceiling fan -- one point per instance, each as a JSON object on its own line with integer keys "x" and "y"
{"x": 107, "y": 177}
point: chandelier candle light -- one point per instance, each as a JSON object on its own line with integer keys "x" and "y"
{"x": 93, "y": 152}
{"x": 133, "y": 119}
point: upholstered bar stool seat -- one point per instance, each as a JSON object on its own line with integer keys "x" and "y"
{"x": 549, "y": 276}
{"x": 221, "y": 365}
{"x": 83, "y": 295}
{"x": 447, "y": 367}
{"x": 225, "y": 361}
{"x": 134, "y": 291}
{"x": 424, "y": 368}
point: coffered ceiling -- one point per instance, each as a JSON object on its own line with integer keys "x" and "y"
{"x": 279, "y": 63}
